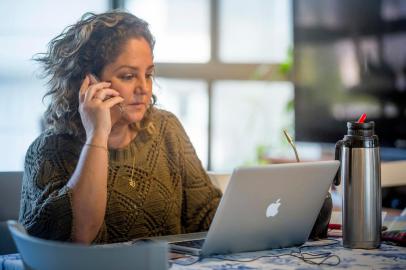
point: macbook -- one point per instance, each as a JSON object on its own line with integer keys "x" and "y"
{"x": 264, "y": 207}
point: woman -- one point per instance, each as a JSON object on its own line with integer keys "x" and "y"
{"x": 110, "y": 167}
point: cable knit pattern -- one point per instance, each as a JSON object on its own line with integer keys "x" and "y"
{"x": 172, "y": 195}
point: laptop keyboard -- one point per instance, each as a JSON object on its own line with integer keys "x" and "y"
{"x": 198, "y": 243}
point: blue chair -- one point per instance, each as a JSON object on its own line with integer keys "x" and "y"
{"x": 41, "y": 254}
{"x": 10, "y": 195}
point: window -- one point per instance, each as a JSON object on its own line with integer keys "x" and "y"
{"x": 247, "y": 117}
{"x": 255, "y": 31}
{"x": 232, "y": 51}
{"x": 23, "y": 34}
{"x": 180, "y": 26}
{"x": 208, "y": 53}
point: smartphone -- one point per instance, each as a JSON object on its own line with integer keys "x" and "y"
{"x": 94, "y": 79}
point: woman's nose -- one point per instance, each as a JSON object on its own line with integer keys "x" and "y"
{"x": 141, "y": 88}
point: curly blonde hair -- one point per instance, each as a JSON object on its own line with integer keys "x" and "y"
{"x": 82, "y": 48}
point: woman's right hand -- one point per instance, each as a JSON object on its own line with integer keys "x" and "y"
{"x": 95, "y": 102}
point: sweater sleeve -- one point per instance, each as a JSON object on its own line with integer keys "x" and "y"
{"x": 46, "y": 209}
{"x": 200, "y": 196}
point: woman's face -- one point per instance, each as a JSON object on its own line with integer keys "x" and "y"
{"x": 131, "y": 75}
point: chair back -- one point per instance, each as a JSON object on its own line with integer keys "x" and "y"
{"x": 41, "y": 254}
{"x": 220, "y": 180}
{"x": 10, "y": 195}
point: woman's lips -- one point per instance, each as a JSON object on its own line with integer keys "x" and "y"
{"x": 137, "y": 105}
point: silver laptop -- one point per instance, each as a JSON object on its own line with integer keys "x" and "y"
{"x": 264, "y": 207}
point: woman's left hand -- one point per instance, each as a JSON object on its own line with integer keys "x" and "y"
{"x": 95, "y": 102}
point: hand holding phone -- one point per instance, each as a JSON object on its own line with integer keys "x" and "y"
{"x": 94, "y": 79}
{"x": 114, "y": 117}
{"x": 97, "y": 106}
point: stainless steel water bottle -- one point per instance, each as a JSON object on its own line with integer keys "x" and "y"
{"x": 360, "y": 173}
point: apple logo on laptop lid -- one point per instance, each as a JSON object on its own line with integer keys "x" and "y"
{"x": 272, "y": 209}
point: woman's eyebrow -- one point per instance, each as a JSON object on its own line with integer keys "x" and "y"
{"x": 151, "y": 67}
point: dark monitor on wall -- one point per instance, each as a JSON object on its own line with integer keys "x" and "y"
{"x": 349, "y": 59}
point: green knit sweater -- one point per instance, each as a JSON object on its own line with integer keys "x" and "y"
{"x": 172, "y": 192}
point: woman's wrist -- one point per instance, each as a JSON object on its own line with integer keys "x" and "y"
{"x": 97, "y": 139}
{"x": 97, "y": 146}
